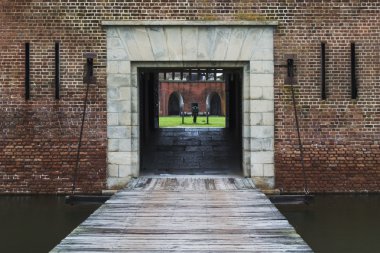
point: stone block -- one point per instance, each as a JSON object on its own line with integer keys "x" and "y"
{"x": 268, "y": 170}
{"x": 221, "y": 43}
{"x": 261, "y": 80}
{"x": 246, "y": 131}
{"x": 261, "y": 105}
{"x": 124, "y": 67}
{"x": 124, "y": 170}
{"x": 246, "y": 119}
{"x": 113, "y": 93}
{"x": 118, "y": 132}
{"x": 174, "y": 43}
{"x": 268, "y": 119}
{"x": 118, "y": 106}
{"x": 125, "y": 93}
{"x": 205, "y": 35}
{"x": 135, "y": 144}
{"x": 255, "y": 119}
{"x": 268, "y": 93}
{"x": 117, "y": 54}
{"x": 124, "y": 118}
{"x": 114, "y": 43}
{"x": 264, "y": 144}
{"x": 236, "y": 40}
{"x": 257, "y": 170}
{"x": 135, "y": 119}
{"x": 118, "y": 80}
{"x": 260, "y": 132}
{"x": 261, "y": 67}
{"x": 112, "y": 67}
{"x": 112, "y": 119}
{"x": 119, "y": 158}
{"x": 246, "y": 106}
{"x": 145, "y": 48}
{"x": 113, "y": 170}
{"x": 159, "y": 47}
{"x": 113, "y": 145}
{"x": 135, "y": 131}
{"x": 256, "y": 92}
{"x": 262, "y": 54}
{"x": 246, "y": 143}
{"x": 262, "y": 157}
{"x": 125, "y": 145}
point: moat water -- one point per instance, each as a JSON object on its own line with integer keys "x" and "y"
{"x": 333, "y": 223}
{"x": 37, "y": 223}
{"x": 338, "y": 223}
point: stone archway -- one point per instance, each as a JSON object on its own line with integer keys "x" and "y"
{"x": 174, "y": 104}
{"x": 215, "y": 104}
{"x": 135, "y": 44}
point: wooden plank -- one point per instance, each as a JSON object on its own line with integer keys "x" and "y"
{"x": 186, "y": 214}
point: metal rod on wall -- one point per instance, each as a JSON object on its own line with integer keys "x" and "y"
{"x": 57, "y": 71}
{"x": 27, "y": 70}
{"x": 354, "y": 88}
{"x": 323, "y": 70}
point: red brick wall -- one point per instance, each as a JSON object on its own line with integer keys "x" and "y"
{"x": 39, "y": 136}
{"x": 194, "y": 92}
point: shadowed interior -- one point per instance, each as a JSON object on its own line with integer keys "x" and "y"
{"x": 190, "y": 151}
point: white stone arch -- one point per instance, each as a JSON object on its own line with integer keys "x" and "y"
{"x": 180, "y": 100}
{"x": 208, "y": 100}
{"x": 153, "y": 44}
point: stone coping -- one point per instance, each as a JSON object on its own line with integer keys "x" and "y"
{"x": 187, "y": 23}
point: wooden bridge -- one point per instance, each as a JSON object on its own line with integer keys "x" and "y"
{"x": 186, "y": 214}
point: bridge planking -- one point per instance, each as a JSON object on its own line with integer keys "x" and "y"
{"x": 186, "y": 214}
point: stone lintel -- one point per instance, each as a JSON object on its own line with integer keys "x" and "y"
{"x": 188, "y": 23}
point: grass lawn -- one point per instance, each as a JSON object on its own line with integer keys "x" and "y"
{"x": 176, "y": 121}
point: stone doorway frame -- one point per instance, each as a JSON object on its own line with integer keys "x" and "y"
{"x": 154, "y": 44}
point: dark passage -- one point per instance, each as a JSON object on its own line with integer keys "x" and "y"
{"x": 190, "y": 151}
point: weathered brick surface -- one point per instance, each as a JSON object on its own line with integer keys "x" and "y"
{"x": 39, "y": 136}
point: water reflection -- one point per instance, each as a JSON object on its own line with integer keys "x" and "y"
{"x": 338, "y": 223}
{"x": 37, "y": 223}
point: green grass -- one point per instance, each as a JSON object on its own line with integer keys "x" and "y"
{"x": 176, "y": 121}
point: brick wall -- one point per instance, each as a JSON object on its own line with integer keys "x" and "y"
{"x": 39, "y": 136}
{"x": 194, "y": 92}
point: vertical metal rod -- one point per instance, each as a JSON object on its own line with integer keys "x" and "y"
{"x": 27, "y": 70}
{"x": 57, "y": 71}
{"x": 80, "y": 140}
{"x": 323, "y": 70}
{"x": 354, "y": 88}
{"x": 306, "y": 188}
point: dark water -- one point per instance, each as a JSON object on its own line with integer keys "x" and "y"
{"x": 338, "y": 223}
{"x": 37, "y": 223}
{"x": 333, "y": 223}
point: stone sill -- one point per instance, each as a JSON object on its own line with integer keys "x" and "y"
{"x": 187, "y": 23}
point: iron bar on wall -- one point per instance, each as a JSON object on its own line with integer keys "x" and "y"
{"x": 323, "y": 70}
{"x": 57, "y": 71}
{"x": 354, "y": 88}
{"x": 27, "y": 70}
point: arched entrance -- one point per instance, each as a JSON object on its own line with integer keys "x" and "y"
{"x": 137, "y": 46}
{"x": 174, "y": 104}
{"x": 215, "y": 105}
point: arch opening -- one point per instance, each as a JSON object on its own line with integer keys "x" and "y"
{"x": 174, "y": 105}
